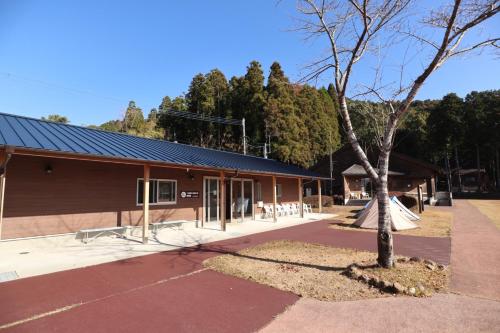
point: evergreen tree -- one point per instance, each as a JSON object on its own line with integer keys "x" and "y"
{"x": 246, "y": 100}
{"x": 56, "y": 118}
{"x": 412, "y": 137}
{"x": 112, "y": 126}
{"x": 287, "y": 128}
{"x": 207, "y": 96}
{"x": 133, "y": 121}
{"x": 445, "y": 124}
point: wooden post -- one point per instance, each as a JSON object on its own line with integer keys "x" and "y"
{"x": 274, "y": 199}
{"x": 320, "y": 203}
{"x": 419, "y": 199}
{"x": 3, "y": 177}
{"x": 222, "y": 200}
{"x": 301, "y": 201}
{"x": 2, "y": 195}
{"x": 145, "y": 205}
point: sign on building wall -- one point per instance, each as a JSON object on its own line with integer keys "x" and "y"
{"x": 190, "y": 194}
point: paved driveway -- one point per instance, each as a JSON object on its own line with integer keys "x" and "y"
{"x": 170, "y": 290}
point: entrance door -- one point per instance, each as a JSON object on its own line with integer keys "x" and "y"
{"x": 211, "y": 199}
{"x": 247, "y": 199}
{"x": 241, "y": 200}
{"x": 236, "y": 201}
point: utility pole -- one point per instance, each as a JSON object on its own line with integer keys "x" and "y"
{"x": 265, "y": 149}
{"x": 331, "y": 171}
{"x": 459, "y": 172}
{"x": 244, "y": 137}
{"x": 331, "y": 164}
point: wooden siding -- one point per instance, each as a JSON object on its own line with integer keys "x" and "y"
{"x": 84, "y": 194}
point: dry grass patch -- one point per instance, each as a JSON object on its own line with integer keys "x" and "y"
{"x": 490, "y": 208}
{"x": 433, "y": 221}
{"x": 309, "y": 270}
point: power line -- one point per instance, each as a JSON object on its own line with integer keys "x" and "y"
{"x": 12, "y": 76}
{"x": 211, "y": 119}
{"x": 201, "y": 117}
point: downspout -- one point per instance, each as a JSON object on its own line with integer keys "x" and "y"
{"x": 3, "y": 173}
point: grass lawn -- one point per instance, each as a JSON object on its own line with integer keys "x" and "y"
{"x": 433, "y": 221}
{"x": 318, "y": 271}
{"x": 490, "y": 208}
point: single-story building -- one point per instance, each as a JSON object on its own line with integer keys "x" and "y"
{"x": 351, "y": 182}
{"x": 470, "y": 180}
{"x": 58, "y": 178}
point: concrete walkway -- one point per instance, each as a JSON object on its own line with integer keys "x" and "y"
{"x": 475, "y": 253}
{"x": 475, "y": 268}
{"x": 43, "y": 255}
{"x": 441, "y": 313}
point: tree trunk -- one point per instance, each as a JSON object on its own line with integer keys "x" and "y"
{"x": 384, "y": 235}
{"x": 448, "y": 172}
{"x": 497, "y": 168}
{"x": 478, "y": 169}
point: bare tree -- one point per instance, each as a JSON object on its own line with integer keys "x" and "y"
{"x": 358, "y": 29}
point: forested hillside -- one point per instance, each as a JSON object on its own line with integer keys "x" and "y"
{"x": 301, "y": 124}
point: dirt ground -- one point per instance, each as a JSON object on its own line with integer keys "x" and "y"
{"x": 317, "y": 271}
{"x": 433, "y": 222}
{"x": 490, "y": 208}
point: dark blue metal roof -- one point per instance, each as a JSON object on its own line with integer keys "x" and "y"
{"x": 23, "y": 132}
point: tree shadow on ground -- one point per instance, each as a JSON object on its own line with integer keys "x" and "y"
{"x": 192, "y": 254}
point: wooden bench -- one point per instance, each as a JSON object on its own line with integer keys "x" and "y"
{"x": 119, "y": 231}
{"x": 176, "y": 225}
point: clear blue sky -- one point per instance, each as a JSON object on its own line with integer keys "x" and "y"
{"x": 86, "y": 59}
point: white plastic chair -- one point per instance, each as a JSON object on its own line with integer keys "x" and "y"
{"x": 286, "y": 209}
{"x": 307, "y": 208}
{"x": 267, "y": 211}
{"x": 279, "y": 210}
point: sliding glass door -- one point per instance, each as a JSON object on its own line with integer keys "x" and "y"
{"x": 241, "y": 200}
{"x": 211, "y": 199}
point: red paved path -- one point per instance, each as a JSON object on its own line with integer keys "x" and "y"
{"x": 24, "y": 298}
{"x": 475, "y": 265}
{"x": 203, "y": 302}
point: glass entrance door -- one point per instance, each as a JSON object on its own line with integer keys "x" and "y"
{"x": 236, "y": 201}
{"x": 211, "y": 199}
{"x": 247, "y": 199}
{"x": 241, "y": 200}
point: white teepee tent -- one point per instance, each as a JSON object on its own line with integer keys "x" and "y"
{"x": 369, "y": 217}
{"x": 408, "y": 213}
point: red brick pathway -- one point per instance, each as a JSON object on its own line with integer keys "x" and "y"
{"x": 107, "y": 289}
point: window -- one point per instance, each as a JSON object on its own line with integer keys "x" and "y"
{"x": 166, "y": 191}
{"x": 278, "y": 191}
{"x": 161, "y": 191}
{"x": 258, "y": 190}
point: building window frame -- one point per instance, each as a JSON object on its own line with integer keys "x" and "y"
{"x": 258, "y": 191}
{"x": 154, "y": 199}
{"x": 279, "y": 191}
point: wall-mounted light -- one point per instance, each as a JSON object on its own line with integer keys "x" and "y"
{"x": 189, "y": 174}
{"x": 48, "y": 169}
